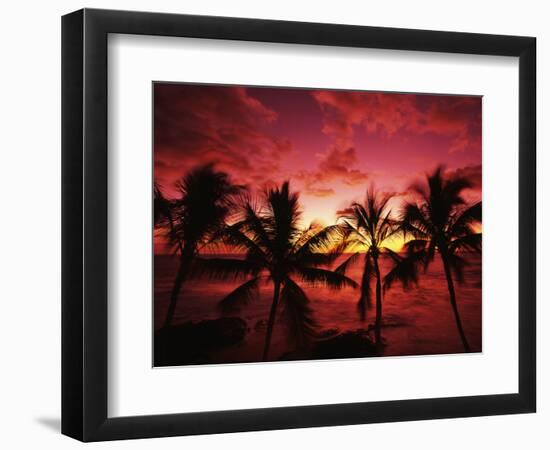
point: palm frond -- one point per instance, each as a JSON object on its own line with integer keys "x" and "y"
{"x": 322, "y": 277}
{"x": 343, "y": 268}
{"x": 322, "y": 240}
{"x": 320, "y": 246}
{"x": 298, "y": 314}
{"x": 371, "y": 222}
{"x": 470, "y": 242}
{"x": 405, "y": 269}
{"x": 206, "y": 198}
{"x": 353, "y": 236}
{"x": 258, "y": 227}
{"x": 361, "y": 218}
{"x": 453, "y": 189}
{"x": 442, "y": 197}
{"x": 238, "y": 240}
{"x": 307, "y": 233}
{"x": 241, "y": 296}
{"x": 356, "y": 244}
{"x": 414, "y": 222}
{"x": 416, "y": 245}
{"x": 462, "y": 221}
{"x": 222, "y": 268}
{"x": 161, "y": 206}
{"x": 283, "y": 215}
{"x": 421, "y": 248}
{"x": 387, "y": 228}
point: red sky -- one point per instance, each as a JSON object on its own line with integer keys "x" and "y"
{"x": 330, "y": 144}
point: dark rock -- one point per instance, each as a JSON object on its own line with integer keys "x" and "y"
{"x": 261, "y": 325}
{"x": 391, "y": 321}
{"x": 191, "y": 343}
{"x": 351, "y": 344}
{"x": 327, "y": 333}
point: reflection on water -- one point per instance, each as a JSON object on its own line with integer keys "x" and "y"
{"x": 417, "y": 322}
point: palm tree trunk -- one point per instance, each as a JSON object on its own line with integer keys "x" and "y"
{"x": 271, "y": 322}
{"x": 364, "y": 299}
{"x": 178, "y": 282}
{"x": 452, "y": 298}
{"x": 378, "y": 321}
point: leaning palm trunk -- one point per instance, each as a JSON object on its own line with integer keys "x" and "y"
{"x": 378, "y": 321}
{"x": 271, "y": 321}
{"x": 183, "y": 270}
{"x": 204, "y": 201}
{"x": 452, "y": 299}
{"x": 439, "y": 219}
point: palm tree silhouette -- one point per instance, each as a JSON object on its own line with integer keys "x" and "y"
{"x": 162, "y": 208}
{"x": 204, "y": 202}
{"x": 439, "y": 221}
{"x": 368, "y": 228}
{"x": 162, "y": 213}
{"x": 277, "y": 251}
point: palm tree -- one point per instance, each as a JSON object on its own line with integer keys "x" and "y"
{"x": 439, "y": 221}
{"x": 368, "y": 228}
{"x": 162, "y": 213}
{"x": 277, "y": 251}
{"x": 162, "y": 207}
{"x": 204, "y": 202}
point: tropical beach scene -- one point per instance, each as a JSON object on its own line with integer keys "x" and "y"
{"x": 309, "y": 224}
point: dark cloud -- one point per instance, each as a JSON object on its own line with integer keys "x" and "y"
{"x": 472, "y": 173}
{"x": 344, "y": 212}
{"x": 194, "y": 124}
{"x": 394, "y": 194}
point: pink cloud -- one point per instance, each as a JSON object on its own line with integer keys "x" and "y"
{"x": 335, "y": 165}
{"x": 457, "y": 118}
{"x": 331, "y": 145}
{"x": 224, "y": 125}
{"x": 320, "y": 192}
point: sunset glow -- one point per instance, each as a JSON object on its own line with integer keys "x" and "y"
{"x": 296, "y": 224}
{"x": 330, "y": 144}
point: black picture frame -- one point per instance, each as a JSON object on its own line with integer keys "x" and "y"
{"x": 84, "y": 224}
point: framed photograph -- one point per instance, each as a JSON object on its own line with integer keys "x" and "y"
{"x": 273, "y": 224}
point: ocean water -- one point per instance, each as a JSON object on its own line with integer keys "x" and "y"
{"x": 416, "y": 322}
